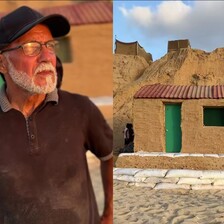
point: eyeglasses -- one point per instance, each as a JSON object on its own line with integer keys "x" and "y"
{"x": 34, "y": 48}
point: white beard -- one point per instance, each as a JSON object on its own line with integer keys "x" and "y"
{"x": 23, "y": 80}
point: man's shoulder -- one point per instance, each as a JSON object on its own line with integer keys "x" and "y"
{"x": 69, "y": 98}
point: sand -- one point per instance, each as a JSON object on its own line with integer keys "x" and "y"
{"x": 141, "y": 205}
{"x": 94, "y": 163}
{"x": 200, "y": 162}
{"x": 94, "y": 167}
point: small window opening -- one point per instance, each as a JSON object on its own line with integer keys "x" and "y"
{"x": 213, "y": 116}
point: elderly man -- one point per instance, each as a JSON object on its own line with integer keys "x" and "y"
{"x": 45, "y": 132}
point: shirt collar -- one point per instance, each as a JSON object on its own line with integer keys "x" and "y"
{"x": 6, "y": 106}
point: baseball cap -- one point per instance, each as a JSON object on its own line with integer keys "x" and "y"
{"x": 21, "y": 20}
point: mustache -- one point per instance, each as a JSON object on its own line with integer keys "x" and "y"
{"x": 45, "y": 67}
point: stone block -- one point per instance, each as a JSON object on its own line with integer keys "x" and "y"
{"x": 167, "y": 154}
{"x": 126, "y": 178}
{"x": 149, "y": 185}
{"x": 151, "y": 173}
{"x": 194, "y": 181}
{"x": 161, "y": 180}
{"x": 215, "y": 174}
{"x": 184, "y": 173}
{"x": 126, "y": 171}
{"x": 126, "y": 154}
{"x": 196, "y": 155}
{"x": 172, "y": 186}
{"x": 206, "y": 187}
{"x": 142, "y": 153}
{"x": 212, "y": 155}
{"x": 176, "y": 155}
{"x": 218, "y": 182}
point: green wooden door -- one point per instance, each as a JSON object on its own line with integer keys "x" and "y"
{"x": 173, "y": 129}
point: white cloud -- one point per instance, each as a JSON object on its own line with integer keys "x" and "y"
{"x": 201, "y": 22}
{"x": 124, "y": 11}
{"x": 172, "y": 12}
{"x": 140, "y": 16}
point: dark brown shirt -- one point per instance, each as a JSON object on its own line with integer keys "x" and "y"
{"x": 44, "y": 177}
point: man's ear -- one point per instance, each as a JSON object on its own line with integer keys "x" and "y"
{"x": 3, "y": 62}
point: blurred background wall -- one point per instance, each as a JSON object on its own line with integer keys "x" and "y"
{"x": 86, "y": 52}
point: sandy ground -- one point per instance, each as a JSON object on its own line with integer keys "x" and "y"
{"x": 94, "y": 167}
{"x": 94, "y": 163}
{"x": 141, "y": 205}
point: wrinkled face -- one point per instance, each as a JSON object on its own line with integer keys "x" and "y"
{"x": 35, "y": 74}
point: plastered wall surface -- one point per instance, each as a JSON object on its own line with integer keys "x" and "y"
{"x": 195, "y": 136}
{"x": 149, "y": 126}
{"x": 92, "y": 61}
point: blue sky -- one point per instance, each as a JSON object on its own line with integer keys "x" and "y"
{"x": 153, "y": 23}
